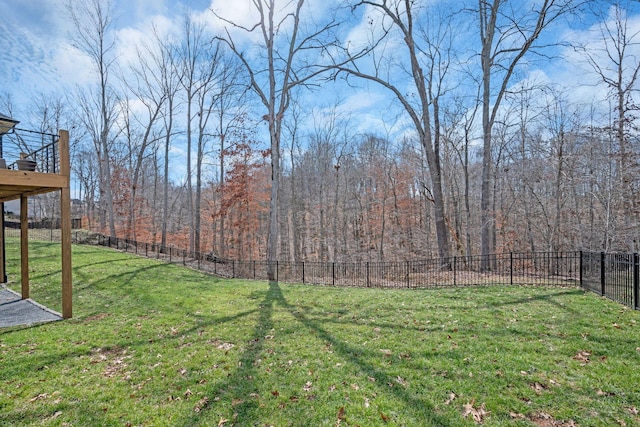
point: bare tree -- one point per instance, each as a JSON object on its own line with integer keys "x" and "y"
{"x": 507, "y": 34}
{"x": 427, "y": 57}
{"x": 144, "y": 80}
{"x": 291, "y": 46}
{"x": 92, "y": 21}
{"x": 165, "y": 59}
{"x": 615, "y": 62}
{"x": 230, "y": 119}
{"x": 192, "y": 65}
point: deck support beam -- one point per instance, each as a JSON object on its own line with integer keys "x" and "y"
{"x": 65, "y": 226}
{"x": 24, "y": 246}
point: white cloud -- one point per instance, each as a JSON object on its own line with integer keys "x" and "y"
{"x": 133, "y": 40}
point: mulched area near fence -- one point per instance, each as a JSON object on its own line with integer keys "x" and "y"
{"x": 15, "y": 311}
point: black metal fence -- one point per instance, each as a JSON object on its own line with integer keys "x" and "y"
{"x": 615, "y": 276}
{"x": 540, "y": 268}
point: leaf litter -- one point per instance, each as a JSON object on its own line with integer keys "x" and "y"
{"x": 478, "y": 414}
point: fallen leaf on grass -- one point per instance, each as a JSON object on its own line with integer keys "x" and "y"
{"x": 538, "y": 388}
{"x": 202, "y": 404}
{"x": 308, "y": 386}
{"x": 236, "y": 402}
{"x": 56, "y": 415}
{"x": 452, "y": 397}
{"x": 384, "y": 417}
{"x": 39, "y": 397}
{"x": 225, "y": 346}
{"x": 341, "y": 413}
{"x": 517, "y": 416}
{"x": 633, "y": 410}
{"x": 222, "y": 422}
{"x": 478, "y": 414}
{"x": 604, "y": 393}
{"x": 402, "y": 381}
{"x": 582, "y": 356}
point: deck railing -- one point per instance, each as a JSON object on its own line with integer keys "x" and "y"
{"x": 23, "y": 144}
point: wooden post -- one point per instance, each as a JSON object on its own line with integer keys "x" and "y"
{"x": 3, "y": 255}
{"x": 65, "y": 226}
{"x": 24, "y": 246}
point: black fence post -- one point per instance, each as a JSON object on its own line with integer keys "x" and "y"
{"x": 636, "y": 281}
{"x": 333, "y": 273}
{"x": 511, "y": 268}
{"x": 303, "y": 278}
{"x": 254, "y": 269}
{"x": 580, "y": 267}
{"x": 233, "y": 269}
{"x": 408, "y": 272}
{"x": 455, "y": 271}
{"x": 602, "y": 273}
{"x": 368, "y": 284}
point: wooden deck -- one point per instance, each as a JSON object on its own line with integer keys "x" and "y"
{"x": 20, "y": 184}
{"x": 17, "y": 183}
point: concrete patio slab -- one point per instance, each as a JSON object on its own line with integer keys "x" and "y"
{"x": 14, "y": 311}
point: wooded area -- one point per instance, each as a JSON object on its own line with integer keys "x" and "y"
{"x": 490, "y": 159}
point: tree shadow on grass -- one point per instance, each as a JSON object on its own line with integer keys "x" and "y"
{"x": 547, "y": 297}
{"x": 76, "y": 353}
{"x": 248, "y": 411}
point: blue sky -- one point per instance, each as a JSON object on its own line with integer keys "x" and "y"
{"x": 37, "y": 55}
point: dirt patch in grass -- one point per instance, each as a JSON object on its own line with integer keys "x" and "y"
{"x": 114, "y": 360}
{"x": 95, "y": 317}
{"x": 546, "y": 420}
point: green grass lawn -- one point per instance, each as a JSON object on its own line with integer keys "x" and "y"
{"x": 159, "y": 345}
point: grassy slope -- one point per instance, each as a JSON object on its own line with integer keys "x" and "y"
{"x": 156, "y": 344}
